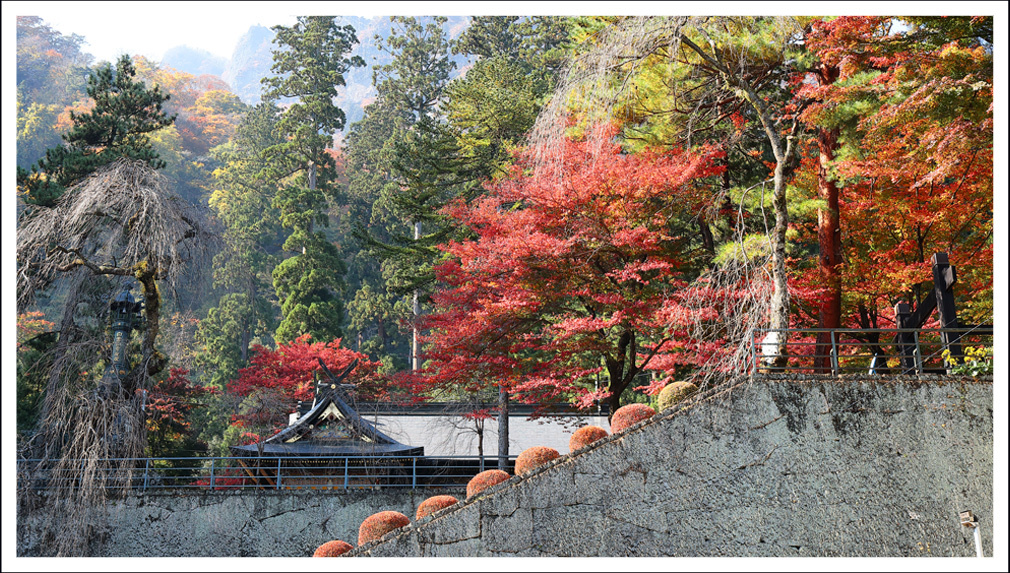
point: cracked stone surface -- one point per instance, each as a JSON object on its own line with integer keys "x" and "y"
{"x": 764, "y": 468}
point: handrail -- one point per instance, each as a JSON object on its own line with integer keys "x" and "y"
{"x": 228, "y": 473}
{"x": 851, "y": 350}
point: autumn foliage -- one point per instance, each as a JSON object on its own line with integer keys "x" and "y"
{"x": 583, "y": 262}
{"x": 435, "y": 503}
{"x": 627, "y": 416}
{"x": 585, "y": 436}
{"x": 532, "y": 458}
{"x": 333, "y": 548}
{"x": 169, "y": 404}
{"x": 484, "y": 480}
{"x": 379, "y": 524}
{"x": 915, "y": 162}
{"x": 674, "y": 393}
{"x": 278, "y": 378}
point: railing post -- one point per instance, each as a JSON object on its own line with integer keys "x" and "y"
{"x": 918, "y": 354}
{"x": 147, "y": 463}
{"x": 346, "y": 472}
{"x": 834, "y": 355}
{"x": 413, "y": 473}
{"x": 753, "y": 354}
{"x": 278, "y": 473}
{"x": 212, "y": 474}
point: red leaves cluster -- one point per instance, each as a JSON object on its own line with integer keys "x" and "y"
{"x": 31, "y": 324}
{"x": 433, "y": 504}
{"x": 379, "y": 524}
{"x": 627, "y": 416}
{"x": 565, "y": 261}
{"x": 532, "y": 458}
{"x": 585, "y": 436}
{"x": 484, "y": 480}
{"x": 286, "y": 374}
{"x": 333, "y": 548}
{"x": 170, "y": 401}
{"x": 916, "y": 175}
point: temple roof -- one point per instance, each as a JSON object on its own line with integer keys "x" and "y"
{"x": 331, "y": 428}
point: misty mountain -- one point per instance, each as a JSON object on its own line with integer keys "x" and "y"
{"x": 194, "y": 61}
{"x": 252, "y": 58}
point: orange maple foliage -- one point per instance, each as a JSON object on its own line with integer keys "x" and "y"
{"x": 576, "y": 266}
{"x": 916, "y": 175}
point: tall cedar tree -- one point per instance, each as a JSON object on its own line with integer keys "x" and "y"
{"x": 242, "y": 200}
{"x": 309, "y": 65}
{"x": 125, "y": 112}
{"x": 384, "y": 152}
{"x": 571, "y": 274}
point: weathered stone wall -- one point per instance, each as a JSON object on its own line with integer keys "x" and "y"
{"x": 766, "y": 468}
{"x": 240, "y": 524}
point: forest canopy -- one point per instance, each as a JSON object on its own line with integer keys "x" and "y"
{"x": 560, "y": 211}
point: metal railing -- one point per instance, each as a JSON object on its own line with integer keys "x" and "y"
{"x": 884, "y": 351}
{"x": 261, "y": 473}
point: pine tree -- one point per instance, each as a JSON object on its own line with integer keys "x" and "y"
{"x": 125, "y": 112}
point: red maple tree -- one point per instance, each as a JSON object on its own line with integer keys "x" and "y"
{"x": 276, "y": 379}
{"x": 576, "y": 271}
{"x": 913, "y": 108}
{"x": 168, "y": 406}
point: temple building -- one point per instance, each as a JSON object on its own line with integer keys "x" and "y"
{"x": 327, "y": 445}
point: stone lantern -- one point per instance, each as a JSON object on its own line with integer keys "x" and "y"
{"x": 124, "y": 318}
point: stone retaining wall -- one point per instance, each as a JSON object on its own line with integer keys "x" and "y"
{"x": 239, "y": 524}
{"x": 766, "y": 468}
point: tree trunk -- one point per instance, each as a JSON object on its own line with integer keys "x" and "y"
{"x": 312, "y": 186}
{"x": 146, "y": 273}
{"x": 830, "y": 241}
{"x": 621, "y": 370}
{"x": 783, "y": 151}
{"x": 503, "y": 429}
{"x": 415, "y": 363}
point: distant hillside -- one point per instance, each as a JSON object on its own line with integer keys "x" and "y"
{"x": 194, "y": 61}
{"x": 249, "y": 63}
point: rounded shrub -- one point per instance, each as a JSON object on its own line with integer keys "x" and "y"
{"x": 534, "y": 457}
{"x": 674, "y": 393}
{"x": 484, "y": 480}
{"x": 332, "y": 548}
{"x": 629, "y": 415}
{"x": 585, "y": 436}
{"x": 435, "y": 503}
{"x": 379, "y": 524}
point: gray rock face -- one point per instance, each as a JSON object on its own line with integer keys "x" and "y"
{"x": 765, "y": 468}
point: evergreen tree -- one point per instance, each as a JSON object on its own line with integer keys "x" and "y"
{"x": 309, "y": 66}
{"x": 252, "y": 240}
{"x": 125, "y": 112}
{"x": 392, "y": 206}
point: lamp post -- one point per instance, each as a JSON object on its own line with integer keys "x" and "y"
{"x": 124, "y": 318}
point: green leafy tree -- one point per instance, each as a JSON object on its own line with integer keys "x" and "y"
{"x": 309, "y": 66}
{"x": 51, "y": 73}
{"x": 125, "y": 112}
